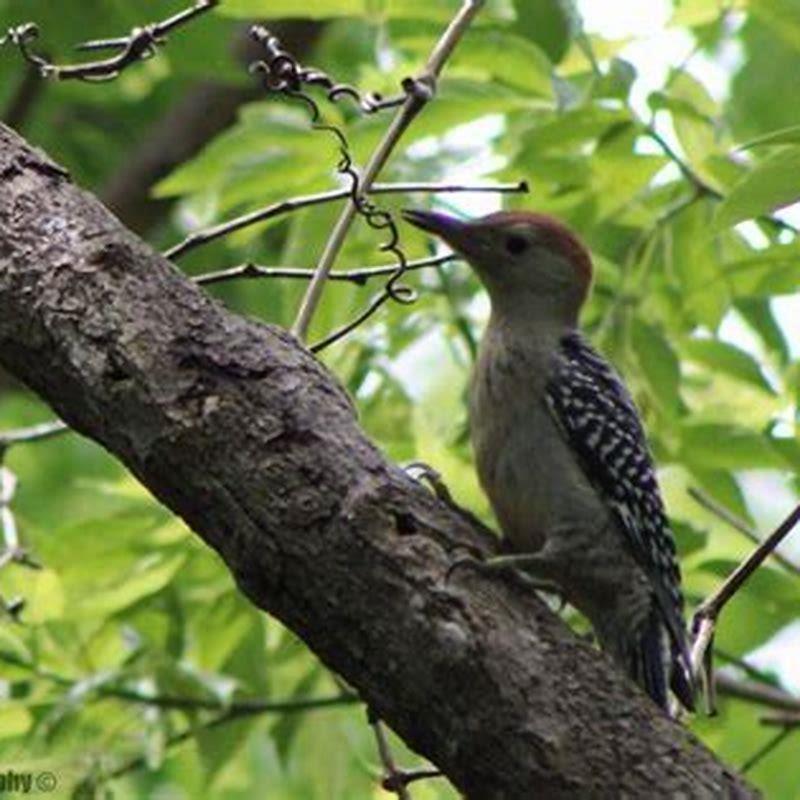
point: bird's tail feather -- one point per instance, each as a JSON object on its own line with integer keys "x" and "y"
{"x": 681, "y": 681}
{"x": 657, "y": 662}
{"x": 648, "y": 662}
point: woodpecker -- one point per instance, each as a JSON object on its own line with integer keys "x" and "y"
{"x": 561, "y": 452}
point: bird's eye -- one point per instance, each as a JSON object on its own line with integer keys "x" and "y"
{"x": 516, "y": 245}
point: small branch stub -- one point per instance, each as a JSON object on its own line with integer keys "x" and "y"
{"x": 705, "y": 618}
{"x": 415, "y": 101}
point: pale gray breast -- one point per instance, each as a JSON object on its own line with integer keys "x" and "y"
{"x": 530, "y": 475}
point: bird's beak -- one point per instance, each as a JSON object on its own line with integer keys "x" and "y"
{"x": 452, "y": 230}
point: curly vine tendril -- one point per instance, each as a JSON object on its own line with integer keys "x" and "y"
{"x": 283, "y": 74}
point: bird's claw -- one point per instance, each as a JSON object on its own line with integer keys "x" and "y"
{"x": 477, "y": 564}
{"x": 516, "y": 565}
{"x": 421, "y": 471}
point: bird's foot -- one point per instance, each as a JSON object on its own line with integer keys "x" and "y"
{"x": 521, "y": 565}
{"x": 420, "y": 471}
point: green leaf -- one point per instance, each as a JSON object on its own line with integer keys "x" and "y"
{"x": 15, "y": 720}
{"x": 658, "y": 363}
{"x": 694, "y": 264}
{"x": 374, "y": 10}
{"x": 789, "y": 448}
{"x": 758, "y": 313}
{"x": 524, "y": 65}
{"x": 720, "y": 446}
{"x": 617, "y": 81}
{"x": 782, "y": 16}
{"x": 266, "y": 138}
{"x": 728, "y": 359}
{"x": 286, "y": 728}
{"x": 774, "y": 270}
{"x": 767, "y": 602}
{"x": 661, "y": 101}
{"x": 458, "y": 101}
{"x": 47, "y": 597}
{"x": 694, "y": 13}
{"x": 790, "y": 135}
{"x": 275, "y": 9}
{"x": 572, "y": 128}
{"x": 147, "y": 578}
{"x": 12, "y": 647}
{"x": 772, "y": 184}
{"x": 220, "y": 629}
{"x": 551, "y": 24}
{"x": 218, "y": 746}
{"x": 767, "y": 73}
{"x": 386, "y": 415}
{"x": 688, "y": 538}
{"x": 724, "y": 488}
{"x": 618, "y": 177}
{"x": 693, "y": 114}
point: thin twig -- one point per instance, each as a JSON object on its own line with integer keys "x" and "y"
{"x": 8, "y": 525}
{"x": 704, "y": 189}
{"x": 35, "y": 433}
{"x": 736, "y": 522}
{"x": 419, "y": 92}
{"x": 395, "y": 779}
{"x": 756, "y": 692}
{"x": 697, "y": 182}
{"x": 387, "y": 759}
{"x": 764, "y": 751}
{"x": 789, "y": 719}
{"x": 751, "y": 671}
{"x": 282, "y": 72}
{"x": 199, "y": 238}
{"x": 705, "y": 618}
{"x": 231, "y": 714}
{"x": 405, "y": 777}
{"x": 181, "y": 703}
{"x": 139, "y": 45}
{"x": 643, "y": 244}
{"x": 349, "y": 327}
{"x": 23, "y": 100}
{"x": 13, "y": 552}
{"x": 358, "y": 276}
{"x": 714, "y": 605}
{"x": 238, "y": 707}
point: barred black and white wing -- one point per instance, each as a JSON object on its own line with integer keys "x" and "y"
{"x": 596, "y": 414}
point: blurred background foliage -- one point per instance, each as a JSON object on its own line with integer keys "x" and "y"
{"x": 682, "y": 180}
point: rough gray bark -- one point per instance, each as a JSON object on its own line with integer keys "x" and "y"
{"x": 240, "y": 431}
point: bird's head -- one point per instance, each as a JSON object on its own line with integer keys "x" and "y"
{"x": 529, "y": 263}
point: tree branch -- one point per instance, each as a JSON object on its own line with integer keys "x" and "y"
{"x": 756, "y": 692}
{"x": 789, "y": 719}
{"x": 710, "y": 504}
{"x": 705, "y": 618}
{"x": 21, "y": 103}
{"x": 139, "y": 45}
{"x": 199, "y": 238}
{"x": 419, "y": 92}
{"x": 206, "y": 109}
{"x": 231, "y": 714}
{"x": 240, "y": 431}
{"x": 251, "y": 705}
{"x": 358, "y": 276}
{"x": 35, "y": 433}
